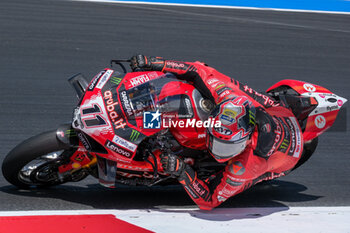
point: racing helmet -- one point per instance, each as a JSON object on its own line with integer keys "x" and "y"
{"x": 237, "y": 117}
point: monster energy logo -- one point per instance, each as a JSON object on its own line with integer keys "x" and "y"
{"x": 71, "y": 133}
{"x": 134, "y": 135}
{"x": 116, "y": 80}
{"x": 284, "y": 144}
{"x": 251, "y": 118}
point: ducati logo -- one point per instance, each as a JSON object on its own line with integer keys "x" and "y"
{"x": 309, "y": 87}
{"x": 320, "y": 122}
{"x": 237, "y": 168}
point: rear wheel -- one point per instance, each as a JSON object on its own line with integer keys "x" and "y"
{"x": 34, "y": 162}
{"x": 309, "y": 149}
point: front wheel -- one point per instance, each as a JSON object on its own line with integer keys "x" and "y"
{"x": 33, "y": 163}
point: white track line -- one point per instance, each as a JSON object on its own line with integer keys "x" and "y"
{"x": 218, "y": 6}
{"x": 254, "y": 220}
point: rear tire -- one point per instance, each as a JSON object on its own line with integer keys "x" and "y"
{"x": 28, "y": 151}
{"x": 309, "y": 149}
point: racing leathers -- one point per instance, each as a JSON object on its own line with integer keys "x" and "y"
{"x": 275, "y": 145}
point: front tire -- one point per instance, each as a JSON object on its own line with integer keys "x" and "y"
{"x": 27, "y": 151}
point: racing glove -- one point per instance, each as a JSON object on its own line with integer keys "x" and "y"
{"x": 142, "y": 63}
{"x": 173, "y": 165}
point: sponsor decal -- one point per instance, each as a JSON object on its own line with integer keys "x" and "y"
{"x": 76, "y": 165}
{"x": 141, "y": 79}
{"x": 80, "y": 157}
{"x": 189, "y": 106}
{"x": 212, "y": 80}
{"x": 215, "y": 83}
{"x": 228, "y": 116}
{"x": 224, "y": 94}
{"x": 286, "y": 138}
{"x": 84, "y": 141}
{"x": 252, "y": 117}
{"x": 124, "y": 143}
{"x": 126, "y": 104}
{"x": 104, "y": 79}
{"x": 192, "y": 194}
{"x": 309, "y": 87}
{"x": 278, "y": 133}
{"x": 115, "y": 80}
{"x": 95, "y": 80}
{"x": 222, "y": 90}
{"x": 265, "y": 176}
{"x": 237, "y": 168}
{"x": 236, "y": 179}
{"x": 71, "y": 133}
{"x": 221, "y": 198}
{"x": 299, "y": 147}
{"x": 223, "y": 130}
{"x": 134, "y": 135}
{"x": 199, "y": 189}
{"x": 284, "y": 145}
{"x": 176, "y": 65}
{"x": 293, "y": 137}
{"x": 224, "y": 192}
{"x": 332, "y": 108}
{"x": 262, "y": 99}
{"x": 117, "y": 149}
{"x": 202, "y": 135}
{"x": 322, "y": 96}
{"x": 320, "y": 121}
{"x": 117, "y": 120}
{"x": 227, "y": 191}
{"x": 219, "y": 86}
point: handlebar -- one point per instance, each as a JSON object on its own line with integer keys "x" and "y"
{"x": 120, "y": 63}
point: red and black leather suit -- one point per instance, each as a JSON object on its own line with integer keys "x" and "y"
{"x": 275, "y": 145}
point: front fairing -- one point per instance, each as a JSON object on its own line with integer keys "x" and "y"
{"x": 109, "y": 118}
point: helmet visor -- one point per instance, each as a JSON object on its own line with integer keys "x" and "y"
{"x": 224, "y": 150}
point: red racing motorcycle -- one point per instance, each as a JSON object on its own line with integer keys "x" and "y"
{"x": 126, "y": 121}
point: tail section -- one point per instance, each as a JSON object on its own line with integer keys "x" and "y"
{"x": 325, "y": 105}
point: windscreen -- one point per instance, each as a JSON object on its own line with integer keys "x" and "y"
{"x": 145, "y": 97}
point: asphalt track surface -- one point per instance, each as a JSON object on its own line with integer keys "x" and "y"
{"x": 43, "y": 42}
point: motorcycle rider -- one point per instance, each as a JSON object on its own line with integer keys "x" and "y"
{"x": 258, "y": 139}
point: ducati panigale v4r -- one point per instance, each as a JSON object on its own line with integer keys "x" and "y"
{"x": 126, "y": 121}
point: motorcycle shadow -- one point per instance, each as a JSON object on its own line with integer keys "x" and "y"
{"x": 261, "y": 200}
{"x": 163, "y": 199}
